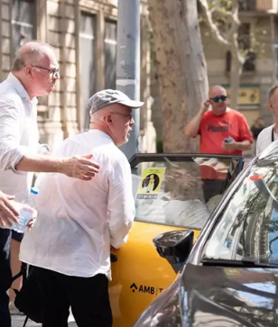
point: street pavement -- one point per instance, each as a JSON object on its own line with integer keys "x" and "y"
{"x": 17, "y": 321}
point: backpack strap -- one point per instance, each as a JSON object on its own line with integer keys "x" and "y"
{"x": 22, "y": 272}
{"x": 17, "y": 276}
{"x": 25, "y": 322}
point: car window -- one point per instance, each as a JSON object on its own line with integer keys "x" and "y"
{"x": 179, "y": 193}
{"x": 248, "y": 226}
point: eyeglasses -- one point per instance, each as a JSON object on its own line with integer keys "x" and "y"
{"x": 55, "y": 72}
{"x": 222, "y": 98}
{"x": 129, "y": 116}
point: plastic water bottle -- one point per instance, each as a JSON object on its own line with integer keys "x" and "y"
{"x": 27, "y": 212}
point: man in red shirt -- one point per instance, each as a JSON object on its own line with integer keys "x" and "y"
{"x": 222, "y": 130}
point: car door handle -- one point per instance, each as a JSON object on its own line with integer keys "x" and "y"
{"x": 113, "y": 257}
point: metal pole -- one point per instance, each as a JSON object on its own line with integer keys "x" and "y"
{"x": 128, "y": 63}
{"x": 273, "y": 46}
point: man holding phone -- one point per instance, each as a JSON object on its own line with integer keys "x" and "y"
{"x": 222, "y": 130}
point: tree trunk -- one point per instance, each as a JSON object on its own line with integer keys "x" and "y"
{"x": 181, "y": 68}
{"x": 235, "y": 76}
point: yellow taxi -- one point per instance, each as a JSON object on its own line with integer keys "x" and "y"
{"x": 172, "y": 192}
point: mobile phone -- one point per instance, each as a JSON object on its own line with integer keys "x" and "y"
{"x": 228, "y": 140}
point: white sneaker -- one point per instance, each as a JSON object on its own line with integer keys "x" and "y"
{"x": 14, "y": 310}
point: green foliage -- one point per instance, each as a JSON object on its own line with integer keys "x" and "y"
{"x": 229, "y": 4}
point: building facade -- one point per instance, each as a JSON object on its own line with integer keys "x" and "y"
{"x": 84, "y": 36}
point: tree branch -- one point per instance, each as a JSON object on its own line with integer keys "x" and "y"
{"x": 233, "y": 32}
{"x": 234, "y": 19}
{"x": 212, "y": 26}
{"x": 231, "y": 40}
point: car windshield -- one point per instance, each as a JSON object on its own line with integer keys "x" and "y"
{"x": 248, "y": 226}
{"x": 180, "y": 191}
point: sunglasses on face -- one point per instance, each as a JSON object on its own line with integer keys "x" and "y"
{"x": 222, "y": 98}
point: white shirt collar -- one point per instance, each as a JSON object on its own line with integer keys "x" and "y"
{"x": 101, "y": 133}
{"x": 20, "y": 88}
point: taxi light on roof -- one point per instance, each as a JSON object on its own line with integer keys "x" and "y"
{"x": 257, "y": 177}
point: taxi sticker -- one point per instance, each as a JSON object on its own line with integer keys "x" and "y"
{"x": 150, "y": 183}
{"x": 231, "y": 271}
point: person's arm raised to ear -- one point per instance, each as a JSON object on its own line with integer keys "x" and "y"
{"x": 192, "y": 128}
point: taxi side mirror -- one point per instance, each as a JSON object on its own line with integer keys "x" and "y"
{"x": 175, "y": 246}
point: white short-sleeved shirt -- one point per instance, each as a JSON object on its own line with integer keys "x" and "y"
{"x": 265, "y": 139}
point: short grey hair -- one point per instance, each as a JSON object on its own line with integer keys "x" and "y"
{"x": 34, "y": 52}
{"x": 95, "y": 117}
{"x": 271, "y": 92}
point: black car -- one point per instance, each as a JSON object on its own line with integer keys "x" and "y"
{"x": 229, "y": 277}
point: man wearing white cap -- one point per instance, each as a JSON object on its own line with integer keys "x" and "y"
{"x": 78, "y": 222}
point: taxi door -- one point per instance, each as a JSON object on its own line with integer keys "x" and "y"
{"x": 167, "y": 190}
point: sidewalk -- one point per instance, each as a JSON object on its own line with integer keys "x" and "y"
{"x": 17, "y": 321}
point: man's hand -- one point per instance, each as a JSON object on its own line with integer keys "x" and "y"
{"x": 113, "y": 249}
{"x": 240, "y": 146}
{"x": 80, "y": 167}
{"x": 205, "y": 106}
{"x": 232, "y": 145}
{"x": 31, "y": 223}
{"x": 8, "y": 214}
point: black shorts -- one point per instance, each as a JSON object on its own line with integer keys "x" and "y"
{"x": 17, "y": 236}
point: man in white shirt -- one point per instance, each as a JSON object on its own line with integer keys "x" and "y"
{"x": 269, "y": 134}
{"x": 34, "y": 73}
{"x": 69, "y": 245}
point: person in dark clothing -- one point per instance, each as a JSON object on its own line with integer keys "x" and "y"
{"x": 257, "y": 127}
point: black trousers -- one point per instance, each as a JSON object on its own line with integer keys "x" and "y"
{"x": 87, "y": 297}
{"x": 5, "y": 276}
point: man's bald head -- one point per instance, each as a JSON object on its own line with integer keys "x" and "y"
{"x": 218, "y": 99}
{"x": 217, "y": 90}
{"x": 31, "y": 53}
